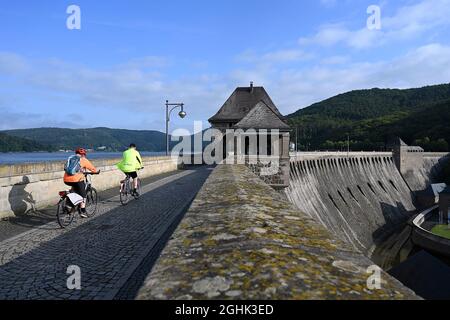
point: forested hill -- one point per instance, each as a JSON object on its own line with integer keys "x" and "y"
{"x": 370, "y": 117}
{"x": 16, "y": 144}
{"x": 103, "y": 138}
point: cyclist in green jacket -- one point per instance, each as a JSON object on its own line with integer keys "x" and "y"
{"x": 130, "y": 164}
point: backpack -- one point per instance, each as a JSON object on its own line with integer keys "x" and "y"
{"x": 72, "y": 166}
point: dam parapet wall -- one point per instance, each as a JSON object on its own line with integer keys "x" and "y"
{"x": 241, "y": 239}
{"x": 418, "y": 168}
{"x": 361, "y": 198}
{"x": 25, "y": 187}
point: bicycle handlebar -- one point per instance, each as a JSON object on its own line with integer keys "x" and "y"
{"x": 92, "y": 173}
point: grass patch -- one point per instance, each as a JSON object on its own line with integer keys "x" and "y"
{"x": 441, "y": 230}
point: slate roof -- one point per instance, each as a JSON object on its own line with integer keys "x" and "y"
{"x": 241, "y": 102}
{"x": 261, "y": 117}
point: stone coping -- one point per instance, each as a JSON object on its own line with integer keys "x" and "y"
{"x": 10, "y": 170}
{"x": 241, "y": 239}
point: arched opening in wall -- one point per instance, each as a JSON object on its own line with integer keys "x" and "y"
{"x": 382, "y": 186}
{"x": 247, "y": 145}
{"x": 362, "y": 192}
{"x": 342, "y": 197}
{"x": 371, "y": 188}
{"x": 393, "y": 184}
{"x": 351, "y": 193}
{"x": 334, "y": 202}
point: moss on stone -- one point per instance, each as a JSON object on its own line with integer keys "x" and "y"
{"x": 237, "y": 229}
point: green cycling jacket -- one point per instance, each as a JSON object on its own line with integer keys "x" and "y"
{"x": 131, "y": 161}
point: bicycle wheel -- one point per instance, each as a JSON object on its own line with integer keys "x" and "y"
{"x": 91, "y": 202}
{"x": 63, "y": 214}
{"x": 124, "y": 192}
{"x": 138, "y": 189}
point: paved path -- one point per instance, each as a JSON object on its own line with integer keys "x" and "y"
{"x": 109, "y": 248}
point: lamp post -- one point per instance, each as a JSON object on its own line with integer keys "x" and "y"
{"x": 181, "y": 114}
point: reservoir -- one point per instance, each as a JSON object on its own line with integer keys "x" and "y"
{"x": 36, "y": 157}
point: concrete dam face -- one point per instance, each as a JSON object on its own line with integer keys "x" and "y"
{"x": 361, "y": 199}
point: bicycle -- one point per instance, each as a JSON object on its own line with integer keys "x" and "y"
{"x": 126, "y": 190}
{"x": 65, "y": 213}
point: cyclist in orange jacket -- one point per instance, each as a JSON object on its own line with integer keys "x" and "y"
{"x": 76, "y": 180}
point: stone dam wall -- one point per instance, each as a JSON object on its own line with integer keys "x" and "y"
{"x": 25, "y": 186}
{"x": 241, "y": 239}
{"x": 427, "y": 171}
{"x": 360, "y": 197}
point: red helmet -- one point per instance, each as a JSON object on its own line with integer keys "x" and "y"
{"x": 81, "y": 151}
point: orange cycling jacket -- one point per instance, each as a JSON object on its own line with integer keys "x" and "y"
{"x": 85, "y": 164}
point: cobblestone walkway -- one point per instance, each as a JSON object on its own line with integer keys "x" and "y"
{"x": 108, "y": 248}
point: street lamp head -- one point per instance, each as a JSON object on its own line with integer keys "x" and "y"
{"x": 182, "y": 114}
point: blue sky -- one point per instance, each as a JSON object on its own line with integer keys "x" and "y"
{"x": 130, "y": 56}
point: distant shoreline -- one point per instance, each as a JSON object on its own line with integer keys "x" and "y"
{"x": 12, "y": 158}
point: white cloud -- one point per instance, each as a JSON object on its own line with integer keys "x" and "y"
{"x": 11, "y": 63}
{"x": 426, "y": 65}
{"x": 142, "y": 92}
{"x": 409, "y": 22}
{"x": 335, "y": 60}
{"x": 275, "y": 57}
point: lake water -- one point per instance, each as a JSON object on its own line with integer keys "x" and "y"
{"x": 35, "y": 157}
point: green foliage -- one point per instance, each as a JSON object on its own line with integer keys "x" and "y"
{"x": 112, "y": 139}
{"x": 441, "y": 230}
{"x": 14, "y": 144}
{"x": 369, "y": 118}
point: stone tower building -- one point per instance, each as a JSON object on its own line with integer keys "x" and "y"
{"x": 260, "y": 134}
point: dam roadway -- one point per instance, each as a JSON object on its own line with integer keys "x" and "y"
{"x": 114, "y": 250}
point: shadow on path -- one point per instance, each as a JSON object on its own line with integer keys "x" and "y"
{"x": 38, "y": 219}
{"x": 114, "y": 250}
